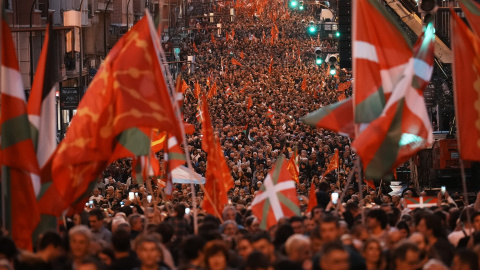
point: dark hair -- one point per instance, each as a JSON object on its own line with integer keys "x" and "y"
{"x": 108, "y": 252}
{"x": 191, "y": 246}
{"x": 379, "y": 215}
{"x": 121, "y": 240}
{"x": 323, "y": 186}
{"x": 464, "y": 216}
{"x": 296, "y": 219}
{"x": 403, "y": 225}
{"x": 282, "y": 233}
{"x": 351, "y": 206}
{"x": 49, "y": 238}
{"x": 166, "y": 230}
{"x": 96, "y": 213}
{"x": 256, "y": 260}
{"x": 93, "y": 261}
{"x": 330, "y": 219}
{"x": 468, "y": 257}
{"x": 433, "y": 222}
{"x": 261, "y": 235}
{"x": 400, "y": 252}
{"x": 332, "y": 246}
{"x": 214, "y": 247}
{"x": 8, "y": 248}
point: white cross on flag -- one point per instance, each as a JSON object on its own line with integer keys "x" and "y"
{"x": 277, "y": 197}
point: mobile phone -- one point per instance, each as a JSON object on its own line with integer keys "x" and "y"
{"x": 131, "y": 196}
{"x": 149, "y": 198}
{"x": 122, "y": 203}
{"x": 187, "y": 211}
{"x": 443, "y": 190}
{"x": 334, "y": 197}
{"x": 90, "y": 203}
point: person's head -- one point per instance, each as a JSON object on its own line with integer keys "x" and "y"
{"x": 106, "y": 255}
{"x": 230, "y": 228}
{"x": 79, "y": 240}
{"x": 297, "y": 248}
{"x": 50, "y": 244}
{"x": 121, "y": 240}
{"x": 261, "y": 242}
{"x": 297, "y": 224}
{"x": 136, "y": 222}
{"x": 404, "y": 229}
{"x": 257, "y": 261}
{"x": 377, "y": 218}
{"x": 192, "y": 247}
{"x": 476, "y": 221}
{"x": 465, "y": 259}
{"x": 89, "y": 263}
{"x": 329, "y": 228}
{"x": 216, "y": 255}
{"x": 229, "y": 213}
{"x": 430, "y": 225}
{"x": 95, "y": 219}
{"x": 96, "y": 192}
{"x": 372, "y": 251}
{"x": 148, "y": 249}
{"x": 244, "y": 246}
{"x": 252, "y": 225}
{"x": 406, "y": 256}
{"x": 334, "y": 257}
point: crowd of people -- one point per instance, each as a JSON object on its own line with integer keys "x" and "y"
{"x": 128, "y": 225}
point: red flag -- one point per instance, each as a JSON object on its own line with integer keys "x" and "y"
{"x": 20, "y": 171}
{"x": 277, "y": 197}
{"x": 197, "y": 90}
{"x": 292, "y": 166}
{"x": 270, "y": 67}
{"x": 242, "y": 55}
{"x": 144, "y": 167}
{"x": 117, "y": 101}
{"x": 249, "y": 103}
{"x": 334, "y": 162}
{"x": 158, "y": 140}
{"x": 270, "y": 113}
{"x": 371, "y": 184}
{"x": 342, "y": 97}
{"x": 421, "y": 202}
{"x": 466, "y": 71}
{"x": 195, "y": 47}
{"x": 472, "y": 12}
{"x": 207, "y": 128}
{"x": 212, "y": 37}
{"x": 228, "y": 92}
{"x": 233, "y": 34}
{"x": 235, "y": 62}
{"x": 304, "y": 83}
{"x": 312, "y": 198}
{"x": 381, "y": 52}
{"x": 173, "y": 158}
{"x": 199, "y": 114}
{"x": 184, "y": 86}
{"x": 243, "y": 88}
{"x": 213, "y": 91}
{"x": 227, "y": 37}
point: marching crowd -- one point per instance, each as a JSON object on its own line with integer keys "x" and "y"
{"x": 126, "y": 225}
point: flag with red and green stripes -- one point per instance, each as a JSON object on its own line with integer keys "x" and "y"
{"x": 277, "y": 197}
{"x": 380, "y": 53}
{"x": 472, "y": 12}
{"x": 173, "y": 158}
{"x": 20, "y": 180}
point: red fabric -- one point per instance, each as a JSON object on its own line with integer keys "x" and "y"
{"x": 312, "y": 198}
{"x": 235, "y": 62}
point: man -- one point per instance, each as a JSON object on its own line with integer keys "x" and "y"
{"x": 192, "y": 251}
{"x": 334, "y": 257}
{"x": 96, "y": 196}
{"x": 149, "y": 252}
{"x": 137, "y": 223}
{"x": 430, "y": 225}
{"x": 377, "y": 222}
{"x": 297, "y": 248}
{"x": 406, "y": 256}
{"x": 95, "y": 220}
{"x": 244, "y": 246}
{"x": 261, "y": 242}
{"x": 124, "y": 258}
{"x": 297, "y": 224}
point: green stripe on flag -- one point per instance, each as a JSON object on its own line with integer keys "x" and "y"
{"x": 470, "y": 5}
{"x": 34, "y": 136}
{"x": 176, "y": 156}
{"x": 266, "y": 209}
{"x": 412, "y": 200}
{"x": 43, "y": 189}
{"x": 387, "y": 153}
{"x": 47, "y": 223}
{"x": 22, "y": 131}
{"x": 370, "y": 108}
{"x": 313, "y": 118}
{"x": 288, "y": 203}
{"x": 278, "y": 168}
{"x": 135, "y": 141}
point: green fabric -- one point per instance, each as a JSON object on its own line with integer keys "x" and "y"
{"x": 22, "y": 131}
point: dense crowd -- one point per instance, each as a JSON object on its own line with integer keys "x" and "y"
{"x": 134, "y": 226}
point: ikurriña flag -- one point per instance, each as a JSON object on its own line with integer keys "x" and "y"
{"x": 277, "y": 197}
{"x": 128, "y": 92}
{"x": 404, "y": 126}
{"x": 466, "y": 78}
{"x": 472, "y": 12}
{"x": 20, "y": 173}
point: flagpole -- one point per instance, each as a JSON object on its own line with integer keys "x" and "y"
{"x": 464, "y": 184}
{"x": 2, "y": 179}
{"x": 349, "y": 180}
{"x": 360, "y": 189}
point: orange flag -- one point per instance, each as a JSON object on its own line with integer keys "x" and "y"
{"x": 213, "y": 90}
{"x": 250, "y": 103}
{"x": 242, "y": 55}
{"x": 342, "y": 97}
{"x": 270, "y": 67}
{"x": 212, "y": 37}
{"x": 243, "y": 88}
{"x": 197, "y": 90}
{"x": 312, "y": 198}
{"x": 233, "y": 34}
{"x": 158, "y": 140}
{"x": 227, "y": 37}
{"x": 333, "y": 163}
{"x": 292, "y": 166}
{"x": 184, "y": 86}
{"x": 304, "y": 83}
{"x": 115, "y": 103}
{"x": 235, "y": 62}
{"x": 195, "y": 47}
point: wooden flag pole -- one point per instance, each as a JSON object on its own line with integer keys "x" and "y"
{"x": 360, "y": 188}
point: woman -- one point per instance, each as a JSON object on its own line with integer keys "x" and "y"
{"x": 216, "y": 255}
{"x": 372, "y": 252}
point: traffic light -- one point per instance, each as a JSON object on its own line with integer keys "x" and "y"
{"x": 301, "y": 7}
{"x": 318, "y": 56}
{"x": 333, "y": 70}
{"x": 318, "y": 60}
{"x": 427, "y": 8}
{"x": 293, "y": 3}
{"x": 312, "y": 29}
{"x": 337, "y": 34}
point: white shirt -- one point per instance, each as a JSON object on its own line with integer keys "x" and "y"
{"x": 455, "y": 236}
